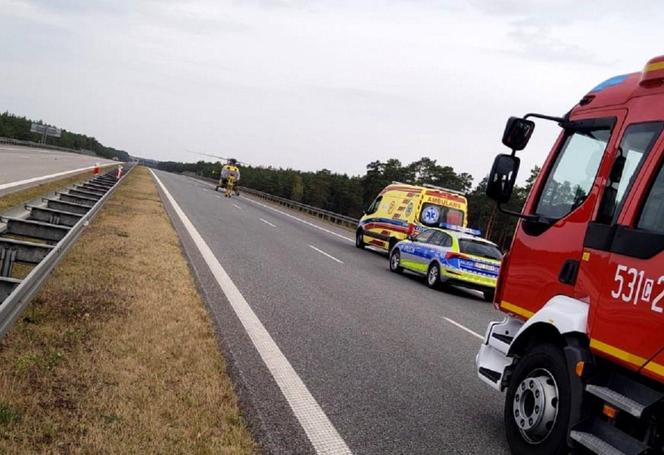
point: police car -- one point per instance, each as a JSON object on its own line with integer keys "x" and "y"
{"x": 450, "y": 257}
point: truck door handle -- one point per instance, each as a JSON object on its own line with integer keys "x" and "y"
{"x": 569, "y": 271}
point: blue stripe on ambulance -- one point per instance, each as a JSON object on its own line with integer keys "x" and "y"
{"x": 385, "y": 221}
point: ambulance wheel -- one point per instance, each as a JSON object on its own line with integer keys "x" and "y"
{"x": 538, "y": 403}
{"x": 488, "y": 295}
{"x": 395, "y": 261}
{"x": 433, "y": 276}
{"x": 359, "y": 239}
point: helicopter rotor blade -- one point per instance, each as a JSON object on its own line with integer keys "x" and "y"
{"x": 218, "y": 157}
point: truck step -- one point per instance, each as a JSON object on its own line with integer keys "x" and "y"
{"x": 602, "y": 438}
{"x": 493, "y": 376}
{"x": 627, "y": 395}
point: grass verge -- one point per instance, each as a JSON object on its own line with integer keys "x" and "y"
{"x": 117, "y": 354}
{"x": 17, "y": 198}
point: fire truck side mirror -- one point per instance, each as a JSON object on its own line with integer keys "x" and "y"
{"x": 517, "y": 133}
{"x": 502, "y": 178}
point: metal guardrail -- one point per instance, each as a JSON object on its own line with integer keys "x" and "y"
{"x": 9, "y": 140}
{"x": 42, "y": 238}
{"x": 311, "y": 210}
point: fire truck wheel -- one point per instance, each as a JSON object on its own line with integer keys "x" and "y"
{"x": 433, "y": 276}
{"x": 537, "y": 404}
{"x": 395, "y": 261}
{"x": 359, "y": 239}
{"x": 488, "y": 295}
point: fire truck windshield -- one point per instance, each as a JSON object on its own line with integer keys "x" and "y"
{"x": 572, "y": 174}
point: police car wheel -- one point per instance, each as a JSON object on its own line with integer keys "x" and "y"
{"x": 538, "y": 403}
{"x": 359, "y": 239}
{"x": 433, "y": 276}
{"x": 395, "y": 261}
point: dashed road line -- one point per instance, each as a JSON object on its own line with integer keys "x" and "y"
{"x": 237, "y": 206}
{"x": 319, "y": 429}
{"x": 298, "y": 219}
{"x": 326, "y": 254}
{"x": 462, "y": 327}
{"x": 267, "y": 222}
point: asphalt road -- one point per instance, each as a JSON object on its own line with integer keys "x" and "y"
{"x": 20, "y": 163}
{"x": 380, "y": 353}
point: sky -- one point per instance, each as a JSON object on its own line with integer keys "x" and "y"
{"x": 316, "y": 84}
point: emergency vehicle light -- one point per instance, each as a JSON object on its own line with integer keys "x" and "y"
{"x": 653, "y": 73}
{"x": 435, "y": 187}
{"x": 454, "y": 227}
{"x": 452, "y": 255}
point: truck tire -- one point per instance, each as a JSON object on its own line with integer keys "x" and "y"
{"x": 395, "y": 261}
{"x": 538, "y": 403}
{"x": 359, "y": 239}
{"x": 488, "y": 295}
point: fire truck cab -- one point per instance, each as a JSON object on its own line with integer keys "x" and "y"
{"x": 580, "y": 352}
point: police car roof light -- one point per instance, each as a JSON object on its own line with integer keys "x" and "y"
{"x": 454, "y": 227}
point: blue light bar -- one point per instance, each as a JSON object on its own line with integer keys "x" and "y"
{"x": 610, "y": 83}
{"x": 453, "y": 227}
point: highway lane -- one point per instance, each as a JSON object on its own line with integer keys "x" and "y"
{"x": 19, "y": 163}
{"x": 374, "y": 349}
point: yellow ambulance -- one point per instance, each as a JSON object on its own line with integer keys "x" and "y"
{"x": 401, "y": 209}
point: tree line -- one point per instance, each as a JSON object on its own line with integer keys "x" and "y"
{"x": 15, "y": 127}
{"x": 351, "y": 195}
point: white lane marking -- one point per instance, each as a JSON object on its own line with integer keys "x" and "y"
{"x": 267, "y": 222}
{"x": 4, "y": 186}
{"x": 326, "y": 254}
{"x": 299, "y": 219}
{"x": 219, "y": 197}
{"x": 462, "y": 327}
{"x": 320, "y": 431}
{"x": 237, "y": 206}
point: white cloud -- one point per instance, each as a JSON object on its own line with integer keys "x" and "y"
{"x": 314, "y": 84}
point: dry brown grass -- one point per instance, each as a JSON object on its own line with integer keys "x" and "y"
{"x": 117, "y": 353}
{"x": 17, "y": 198}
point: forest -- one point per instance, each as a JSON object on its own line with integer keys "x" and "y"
{"x": 350, "y": 195}
{"x": 340, "y": 193}
{"x": 15, "y": 127}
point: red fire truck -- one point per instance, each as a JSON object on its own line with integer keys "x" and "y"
{"x": 580, "y": 352}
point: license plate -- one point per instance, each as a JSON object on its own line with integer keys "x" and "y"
{"x": 487, "y": 267}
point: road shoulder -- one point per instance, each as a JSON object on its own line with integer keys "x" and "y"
{"x": 117, "y": 354}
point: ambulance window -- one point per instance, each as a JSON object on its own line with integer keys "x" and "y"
{"x": 572, "y": 174}
{"x": 634, "y": 147}
{"x": 436, "y": 215}
{"x": 652, "y": 215}
{"x": 374, "y": 205}
{"x": 454, "y": 217}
